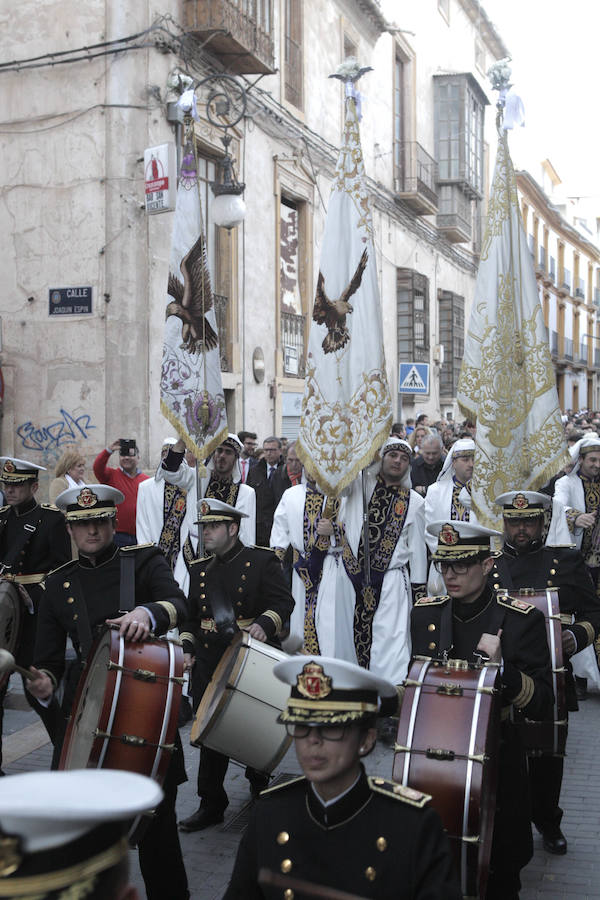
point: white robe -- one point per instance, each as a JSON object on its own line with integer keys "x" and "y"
{"x": 391, "y": 647}
{"x": 438, "y": 507}
{"x": 568, "y": 491}
{"x": 334, "y": 612}
{"x": 149, "y": 522}
{"x": 185, "y": 477}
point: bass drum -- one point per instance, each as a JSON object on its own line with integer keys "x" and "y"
{"x": 237, "y": 715}
{"x": 447, "y": 746}
{"x": 126, "y": 708}
{"x": 11, "y": 619}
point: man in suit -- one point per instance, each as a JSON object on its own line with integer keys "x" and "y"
{"x": 262, "y": 478}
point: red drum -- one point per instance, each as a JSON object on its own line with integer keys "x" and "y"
{"x": 548, "y": 737}
{"x": 447, "y": 746}
{"x": 126, "y": 708}
{"x": 11, "y": 618}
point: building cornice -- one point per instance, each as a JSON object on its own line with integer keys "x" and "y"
{"x": 487, "y": 30}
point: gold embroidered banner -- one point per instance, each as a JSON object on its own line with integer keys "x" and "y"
{"x": 346, "y": 410}
{"x": 507, "y": 382}
{"x": 191, "y": 390}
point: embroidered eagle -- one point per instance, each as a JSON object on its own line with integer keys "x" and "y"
{"x": 192, "y": 300}
{"x": 332, "y": 313}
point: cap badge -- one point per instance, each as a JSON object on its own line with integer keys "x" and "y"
{"x": 10, "y": 855}
{"x": 520, "y": 502}
{"x": 86, "y": 498}
{"x": 204, "y": 508}
{"x": 313, "y": 683}
{"x": 9, "y": 466}
{"x": 449, "y": 535}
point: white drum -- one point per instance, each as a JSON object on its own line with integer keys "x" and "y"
{"x": 238, "y": 712}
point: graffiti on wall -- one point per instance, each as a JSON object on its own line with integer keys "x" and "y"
{"x": 49, "y": 440}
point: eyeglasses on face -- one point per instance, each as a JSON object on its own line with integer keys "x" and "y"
{"x": 459, "y": 568}
{"x": 324, "y": 732}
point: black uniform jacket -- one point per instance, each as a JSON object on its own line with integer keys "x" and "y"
{"x": 250, "y": 581}
{"x": 439, "y": 624}
{"x": 374, "y": 842}
{"x": 33, "y": 538}
{"x": 79, "y": 588}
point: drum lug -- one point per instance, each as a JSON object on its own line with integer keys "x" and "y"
{"x": 133, "y": 740}
{"x": 450, "y": 689}
{"x": 440, "y": 753}
{"x": 475, "y": 839}
{"x": 144, "y": 675}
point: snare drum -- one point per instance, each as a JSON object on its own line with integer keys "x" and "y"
{"x": 447, "y": 746}
{"x": 11, "y": 619}
{"x": 126, "y": 708}
{"x": 548, "y": 737}
{"x": 238, "y": 712}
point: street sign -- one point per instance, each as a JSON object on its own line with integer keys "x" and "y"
{"x": 413, "y": 378}
{"x": 73, "y": 301}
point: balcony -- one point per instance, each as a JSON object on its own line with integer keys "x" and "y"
{"x": 541, "y": 267}
{"x": 454, "y": 214}
{"x": 597, "y": 297}
{"x": 292, "y": 340}
{"x": 238, "y": 32}
{"x": 597, "y": 357}
{"x": 221, "y": 304}
{"x": 568, "y": 354}
{"x": 417, "y": 177}
{"x": 554, "y": 343}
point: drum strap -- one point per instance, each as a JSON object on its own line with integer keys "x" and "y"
{"x": 127, "y": 581}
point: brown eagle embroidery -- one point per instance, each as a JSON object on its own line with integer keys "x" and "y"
{"x": 192, "y": 300}
{"x": 332, "y": 313}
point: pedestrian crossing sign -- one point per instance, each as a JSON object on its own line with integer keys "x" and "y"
{"x": 413, "y": 378}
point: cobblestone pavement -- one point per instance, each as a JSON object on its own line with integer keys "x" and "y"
{"x": 210, "y": 854}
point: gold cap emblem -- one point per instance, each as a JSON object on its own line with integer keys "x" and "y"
{"x": 86, "y": 498}
{"x": 204, "y": 508}
{"x": 449, "y": 536}
{"x": 313, "y": 683}
{"x": 520, "y": 502}
{"x": 9, "y": 467}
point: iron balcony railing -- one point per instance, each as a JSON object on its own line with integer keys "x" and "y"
{"x": 292, "y": 340}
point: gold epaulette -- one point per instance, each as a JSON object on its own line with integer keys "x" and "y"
{"x": 48, "y": 506}
{"x": 399, "y": 792}
{"x": 195, "y": 562}
{"x": 432, "y": 601}
{"x": 515, "y": 603}
{"x": 283, "y": 784}
{"x": 138, "y": 546}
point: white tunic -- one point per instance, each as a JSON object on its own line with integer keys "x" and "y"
{"x": 568, "y": 491}
{"x": 391, "y": 648}
{"x": 334, "y": 613}
{"x": 149, "y": 522}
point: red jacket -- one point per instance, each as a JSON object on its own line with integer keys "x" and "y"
{"x": 128, "y": 486}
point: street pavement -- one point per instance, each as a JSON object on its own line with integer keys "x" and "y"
{"x": 209, "y": 855}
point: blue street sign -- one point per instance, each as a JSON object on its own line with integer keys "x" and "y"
{"x": 413, "y": 378}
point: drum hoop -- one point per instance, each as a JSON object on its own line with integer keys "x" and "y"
{"x": 115, "y": 697}
{"x": 469, "y": 777}
{"x": 166, "y": 714}
{"x": 413, "y": 718}
{"x": 554, "y": 658}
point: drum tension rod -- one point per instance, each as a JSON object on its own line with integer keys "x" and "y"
{"x": 441, "y": 754}
{"x": 132, "y": 740}
{"x": 144, "y": 674}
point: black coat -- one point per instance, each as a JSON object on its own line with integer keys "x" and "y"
{"x": 251, "y": 582}
{"x": 373, "y": 842}
{"x": 422, "y": 474}
{"x": 265, "y": 499}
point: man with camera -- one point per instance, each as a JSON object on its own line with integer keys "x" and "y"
{"x": 127, "y": 479}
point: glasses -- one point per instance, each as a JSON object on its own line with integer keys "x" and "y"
{"x": 459, "y": 568}
{"x": 324, "y": 732}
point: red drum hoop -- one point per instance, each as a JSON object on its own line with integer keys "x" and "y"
{"x": 237, "y": 715}
{"x": 447, "y": 746}
{"x": 126, "y": 708}
{"x": 11, "y": 621}
{"x": 547, "y": 737}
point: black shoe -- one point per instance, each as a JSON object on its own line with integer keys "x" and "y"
{"x": 204, "y": 817}
{"x": 554, "y": 841}
{"x": 581, "y": 688}
{"x": 185, "y": 712}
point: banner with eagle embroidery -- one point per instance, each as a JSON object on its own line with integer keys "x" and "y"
{"x": 191, "y": 389}
{"x": 346, "y": 409}
{"x": 507, "y": 382}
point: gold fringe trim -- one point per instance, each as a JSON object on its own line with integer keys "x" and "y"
{"x": 199, "y": 452}
{"x": 333, "y": 705}
{"x": 52, "y": 881}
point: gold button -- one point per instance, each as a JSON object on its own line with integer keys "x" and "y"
{"x": 549, "y": 583}
{"x": 204, "y": 609}
{"x": 381, "y": 844}
{"x": 75, "y": 617}
{"x": 239, "y": 603}
{"x": 555, "y": 561}
{"x": 201, "y": 584}
{"x": 286, "y": 866}
{"x": 288, "y": 894}
{"x": 432, "y": 645}
{"x": 370, "y": 873}
{"x": 496, "y": 586}
{"x": 553, "y": 571}
{"x": 70, "y": 599}
{"x": 431, "y": 627}
{"x": 243, "y": 577}
{"x": 203, "y": 596}
{"x": 283, "y": 837}
{"x": 247, "y": 565}
{"x": 66, "y": 584}
{"x": 378, "y": 781}
{"x": 240, "y": 590}
{"x": 202, "y": 574}
{"x": 206, "y": 645}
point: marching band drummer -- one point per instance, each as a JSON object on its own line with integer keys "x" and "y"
{"x": 86, "y": 593}
{"x": 233, "y": 587}
{"x": 473, "y": 620}
{"x": 525, "y": 562}
{"x": 335, "y": 827}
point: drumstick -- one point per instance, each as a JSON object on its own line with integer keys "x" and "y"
{"x": 8, "y": 664}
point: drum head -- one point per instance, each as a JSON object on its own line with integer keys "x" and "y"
{"x": 89, "y": 708}
{"x": 10, "y": 616}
